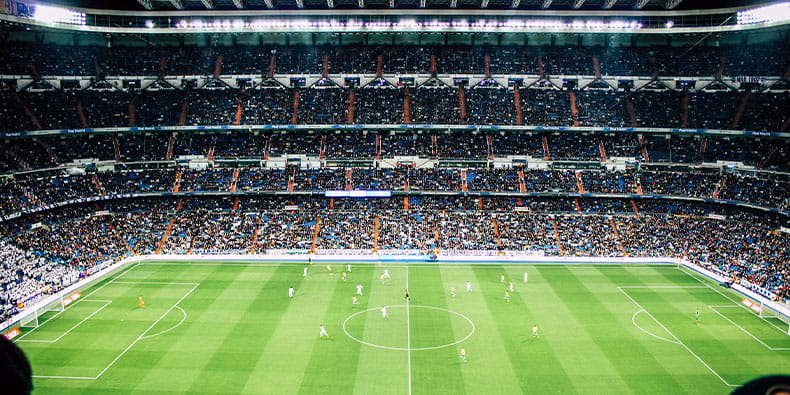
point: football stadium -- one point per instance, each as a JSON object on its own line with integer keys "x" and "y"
{"x": 395, "y": 196}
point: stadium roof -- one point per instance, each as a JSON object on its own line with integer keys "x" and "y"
{"x": 165, "y": 5}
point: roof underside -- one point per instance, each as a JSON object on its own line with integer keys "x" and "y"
{"x": 162, "y": 5}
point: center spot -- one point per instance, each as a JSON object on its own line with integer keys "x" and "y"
{"x": 427, "y": 327}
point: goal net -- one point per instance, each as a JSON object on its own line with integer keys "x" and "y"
{"x": 43, "y": 313}
{"x": 775, "y": 317}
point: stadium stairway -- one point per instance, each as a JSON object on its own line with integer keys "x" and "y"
{"x": 218, "y": 67}
{"x": 406, "y": 106}
{"x": 522, "y": 188}
{"x": 596, "y": 67}
{"x": 602, "y": 150}
{"x": 21, "y": 102}
{"x": 349, "y": 173}
{"x": 162, "y": 67}
{"x": 633, "y": 204}
{"x": 574, "y": 108}
{"x": 617, "y": 236}
{"x": 462, "y": 104}
{"x": 168, "y": 230}
{"x": 546, "y": 154}
{"x": 182, "y": 117}
{"x": 325, "y": 67}
{"x": 490, "y": 147}
{"x": 557, "y": 236}
{"x": 49, "y": 151}
{"x": 717, "y": 192}
{"x": 316, "y": 231}
{"x": 350, "y": 112}
{"x": 322, "y": 149}
{"x": 211, "y": 148}
{"x": 463, "y": 181}
{"x": 376, "y": 222}
{"x": 517, "y": 105}
{"x": 577, "y": 205}
{"x": 132, "y": 112}
{"x": 541, "y": 68}
{"x": 255, "y": 233}
{"x": 97, "y": 183}
{"x": 434, "y": 69}
{"x": 272, "y": 65}
{"x": 629, "y": 106}
{"x": 579, "y": 183}
{"x": 495, "y": 225}
{"x": 239, "y": 109}
{"x": 116, "y": 148}
{"x": 171, "y": 143}
{"x": 295, "y": 116}
{"x": 81, "y": 113}
{"x": 236, "y": 203}
{"x": 684, "y": 110}
{"x": 645, "y": 156}
{"x": 487, "y": 61}
{"x": 736, "y": 120}
{"x": 378, "y": 147}
{"x": 234, "y": 183}
{"x": 177, "y": 184}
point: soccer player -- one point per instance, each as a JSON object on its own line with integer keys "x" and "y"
{"x": 359, "y": 289}
{"x": 406, "y": 295}
{"x": 140, "y": 301}
{"x": 290, "y": 292}
{"x": 501, "y": 278}
{"x": 304, "y": 272}
{"x": 463, "y": 354}
{"x": 511, "y": 287}
{"x": 452, "y": 291}
{"x": 507, "y": 296}
{"x": 526, "y": 276}
{"x": 381, "y": 277}
{"x": 696, "y": 315}
{"x": 310, "y": 260}
{"x": 383, "y": 311}
{"x": 322, "y": 332}
{"x": 348, "y": 268}
{"x": 386, "y": 274}
{"x": 329, "y": 268}
{"x": 535, "y": 331}
{"x": 354, "y": 300}
{"x": 468, "y": 286}
{"x": 343, "y": 276}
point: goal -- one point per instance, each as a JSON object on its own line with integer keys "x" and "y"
{"x": 775, "y": 317}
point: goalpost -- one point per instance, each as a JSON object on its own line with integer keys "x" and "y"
{"x": 769, "y": 314}
{"x": 36, "y": 318}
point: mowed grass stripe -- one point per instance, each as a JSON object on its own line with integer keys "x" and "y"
{"x": 210, "y": 347}
{"x": 330, "y": 365}
{"x": 435, "y": 371}
{"x": 281, "y": 360}
{"x": 600, "y": 316}
{"x": 682, "y": 367}
{"x": 490, "y": 369}
{"x": 380, "y": 370}
{"x": 537, "y": 366}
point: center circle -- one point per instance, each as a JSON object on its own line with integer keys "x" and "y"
{"x": 408, "y": 326}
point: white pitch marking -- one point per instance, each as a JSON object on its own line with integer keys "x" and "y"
{"x": 678, "y": 340}
{"x": 737, "y": 303}
{"x": 408, "y": 330}
{"x": 146, "y": 331}
{"x": 633, "y": 321}
{"x": 468, "y": 335}
{"x": 107, "y": 303}
{"x": 746, "y": 331}
{"x": 183, "y": 318}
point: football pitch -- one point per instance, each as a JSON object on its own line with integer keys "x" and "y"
{"x": 230, "y": 327}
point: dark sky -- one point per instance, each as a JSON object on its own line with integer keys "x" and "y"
{"x": 134, "y": 5}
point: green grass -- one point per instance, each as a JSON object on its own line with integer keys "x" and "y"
{"x": 231, "y": 328}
